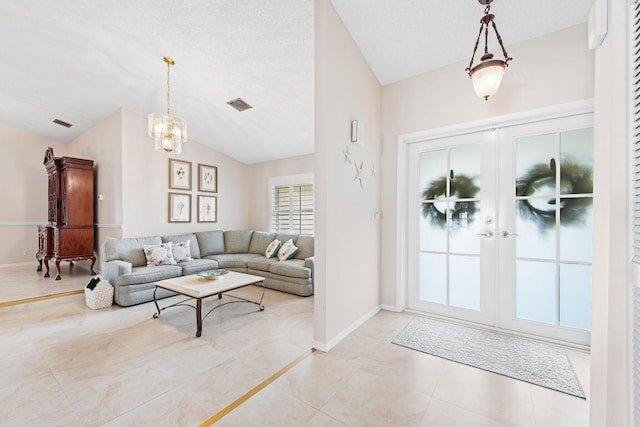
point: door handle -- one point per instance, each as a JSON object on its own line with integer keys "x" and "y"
{"x": 506, "y": 234}
{"x": 487, "y": 234}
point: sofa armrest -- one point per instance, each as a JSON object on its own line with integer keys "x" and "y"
{"x": 112, "y": 270}
{"x": 310, "y": 263}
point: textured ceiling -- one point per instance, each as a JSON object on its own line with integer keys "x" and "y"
{"x": 79, "y": 60}
{"x": 403, "y": 38}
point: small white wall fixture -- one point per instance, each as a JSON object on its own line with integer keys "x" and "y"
{"x": 598, "y": 23}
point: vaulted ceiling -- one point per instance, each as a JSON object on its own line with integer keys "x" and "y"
{"x": 79, "y": 61}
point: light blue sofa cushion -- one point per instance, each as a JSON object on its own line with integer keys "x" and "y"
{"x": 259, "y": 242}
{"x": 129, "y": 249}
{"x": 198, "y": 265}
{"x": 210, "y": 242}
{"x": 291, "y": 268}
{"x": 193, "y": 245}
{"x": 283, "y": 237}
{"x": 237, "y": 242}
{"x": 305, "y": 247}
{"x": 155, "y": 273}
{"x": 261, "y": 263}
{"x": 233, "y": 260}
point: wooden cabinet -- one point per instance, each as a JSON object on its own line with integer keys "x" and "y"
{"x": 69, "y": 236}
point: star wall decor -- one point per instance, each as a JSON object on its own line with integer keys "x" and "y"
{"x": 373, "y": 170}
{"x": 360, "y": 176}
{"x": 347, "y": 155}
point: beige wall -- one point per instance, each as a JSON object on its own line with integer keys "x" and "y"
{"x": 146, "y": 184}
{"x": 259, "y": 197}
{"x": 103, "y": 145}
{"x": 133, "y": 181}
{"x": 24, "y": 192}
{"x": 554, "y": 69}
{"x": 609, "y": 337}
{"x": 347, "y": 278}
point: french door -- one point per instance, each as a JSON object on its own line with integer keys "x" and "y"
{"x": 500, "y": 227}
{"x": 452, "y": 214}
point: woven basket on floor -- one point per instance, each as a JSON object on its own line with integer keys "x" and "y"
{"x": 99, "y": 297}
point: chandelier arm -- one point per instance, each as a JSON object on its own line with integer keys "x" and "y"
{"x": 475, "y": 48}
{"x": 486, "y": 39}
{"x": 504, "y": 51}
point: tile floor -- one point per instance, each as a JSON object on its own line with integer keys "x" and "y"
{"x": 62, "y": 364}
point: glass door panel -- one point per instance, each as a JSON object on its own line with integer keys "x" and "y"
{"x": 546, "y": 222}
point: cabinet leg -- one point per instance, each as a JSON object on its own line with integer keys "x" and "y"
{"x": 58, "y": 277}
{"x": 46, "y": 264}
{"x": 93, "y": 262}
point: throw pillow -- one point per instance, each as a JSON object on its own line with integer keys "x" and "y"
{"x": 273, "y": 248}
{"x": 182, "y": 251}
{"x": 159, "y": 254}
{"x": 287, "y": 251}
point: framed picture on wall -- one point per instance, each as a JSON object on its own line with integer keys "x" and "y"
{"x": 207, "y": 178}
{"x": 179, "y": 207}
{"x": 207, "y": 208}
{"x": 179, "y": 174}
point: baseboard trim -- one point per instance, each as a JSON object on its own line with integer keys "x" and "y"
{"x": 389, "y": 307}
{"x": 326, "y": 347}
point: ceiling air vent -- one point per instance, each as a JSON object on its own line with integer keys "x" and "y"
{"x": 239, "y": 104}
{"x": 61, "y": 123}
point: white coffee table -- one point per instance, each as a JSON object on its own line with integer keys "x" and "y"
{"x": 198, "y": 288}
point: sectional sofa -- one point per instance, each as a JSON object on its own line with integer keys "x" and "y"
{"x": 124, "y": 263}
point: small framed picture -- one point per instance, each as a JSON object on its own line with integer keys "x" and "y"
{"x": 207, "y": 178}
{"x": 179, "y": 174}
{"x": 207, "y": 208}
{"x": 179, "y": 207}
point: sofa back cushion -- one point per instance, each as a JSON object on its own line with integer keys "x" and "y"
{"x": 177, "y": 238}
{"x": 237, "y": 242}
{"x": 129, "y": 249}
{"x": 210, "y": 242}
{"x": 305, "y": 246}
{"x": 284, "y": 237}
{"x": 259, "y": 242}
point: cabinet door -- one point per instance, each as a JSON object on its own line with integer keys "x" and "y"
{"x": 77, "y": 198}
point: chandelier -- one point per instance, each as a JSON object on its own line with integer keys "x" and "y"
{"x": 487, "y": 75}
{"x": 168, "y": 132}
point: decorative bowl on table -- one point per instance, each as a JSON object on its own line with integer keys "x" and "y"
{"x": 212, "y": 274}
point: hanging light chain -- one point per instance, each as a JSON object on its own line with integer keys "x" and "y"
{"x": 475, "y": 48}
{"x": 168, "y": 72}
{"x": 484, "y": 24}
{"x": 507, "y": 58}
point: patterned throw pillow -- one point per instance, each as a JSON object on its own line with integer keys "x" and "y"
{"x": 273, "y": 248}
{"x": 287, "y": 251}
{"x": 159, "y": 254}
{"x": 182, "y": 251}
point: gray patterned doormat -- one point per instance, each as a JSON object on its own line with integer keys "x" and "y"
{"x": 537, "y": 363}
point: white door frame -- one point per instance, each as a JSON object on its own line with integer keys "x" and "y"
{"x": 403, "y": 141}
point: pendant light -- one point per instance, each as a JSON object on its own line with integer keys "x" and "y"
{"x": 487, "y": 75}
{"x": 168, "y": 132}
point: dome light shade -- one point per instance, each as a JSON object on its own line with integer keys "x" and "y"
{"x": 487, "y": 75}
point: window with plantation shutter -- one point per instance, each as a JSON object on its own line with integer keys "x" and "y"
{"x": 291, "y": 207}
{"x": 634, "y": 84}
